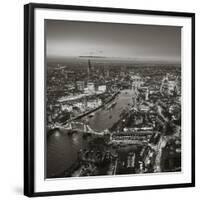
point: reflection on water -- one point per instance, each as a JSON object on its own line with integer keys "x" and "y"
{"x": 75, "y": 139}
{"x": 62, "y": 148}
{"x": 105, "y": 118}
{"x": 62, "y": 151}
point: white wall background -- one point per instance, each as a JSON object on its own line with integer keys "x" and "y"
{"x": 11, "y": 97}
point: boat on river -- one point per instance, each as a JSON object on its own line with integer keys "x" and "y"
{"x": 111, "y": 105}
{"x": 91, "y": 115}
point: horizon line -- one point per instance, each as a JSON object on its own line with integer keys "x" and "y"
{"x": 177, "y": 61}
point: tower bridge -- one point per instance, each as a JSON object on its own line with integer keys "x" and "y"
{"x": 81, "y": 127}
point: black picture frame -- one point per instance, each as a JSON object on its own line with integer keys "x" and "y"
{"x": 29, "y": 81}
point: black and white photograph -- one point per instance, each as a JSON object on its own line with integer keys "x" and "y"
{"x": 112, "y": 99}
{"x": 108, "y": 99}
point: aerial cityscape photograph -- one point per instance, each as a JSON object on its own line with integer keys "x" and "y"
{"x": 113, "y": 99}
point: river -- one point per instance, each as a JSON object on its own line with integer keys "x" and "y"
{"x": 62, "y": 149}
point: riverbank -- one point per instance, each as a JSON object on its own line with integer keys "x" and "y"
{"x": 93, "y": 110}
{"x": 53, "y": 127}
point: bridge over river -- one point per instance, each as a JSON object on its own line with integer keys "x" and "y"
{"x": 82, "y": 127}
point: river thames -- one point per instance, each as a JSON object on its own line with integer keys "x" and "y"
{"x": 62, "y": 149}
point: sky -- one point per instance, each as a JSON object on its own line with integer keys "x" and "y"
{"x": 126, "y": 41}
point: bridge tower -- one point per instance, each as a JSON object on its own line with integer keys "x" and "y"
{"x": 68, "y": 125}
{"x": 85, "y": 128}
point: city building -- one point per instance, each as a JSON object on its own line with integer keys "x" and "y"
{"x": 89, "y": 70}
{"x": 145, "y": 92}
{"x": 137, "y": 82}
{"x": 102, "y": 88}
{"x": 168, "y": 87}
{"x": 94, "y": 103}
{"x": 91, "y": 87}
{"x": 80, "y": 85}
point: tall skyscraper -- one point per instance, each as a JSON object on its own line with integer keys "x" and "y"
{"x": 89, "y": 69}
